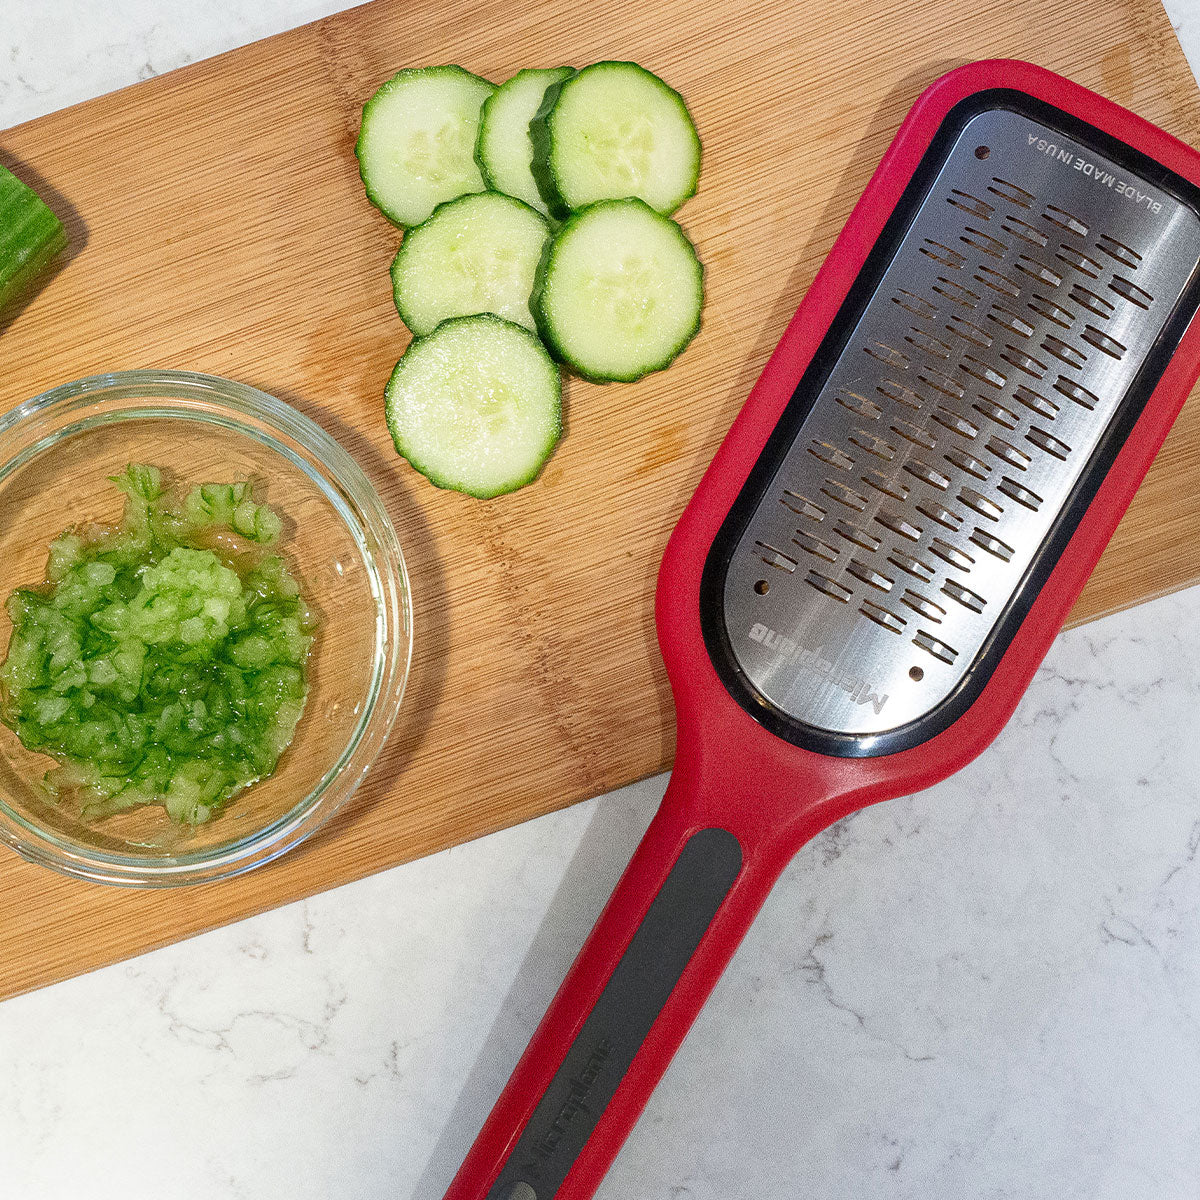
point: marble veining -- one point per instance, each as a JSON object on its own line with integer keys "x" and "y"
{"x": 991, "y": 989}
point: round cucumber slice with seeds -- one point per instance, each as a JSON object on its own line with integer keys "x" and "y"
{"x": 619, "y": 291}
{"x": 476, "y": 406}
{"x": 476, "y": 254}
{"x": 614, "y": 130}
{"x": 416, "y": 147}
{"x": 504, "y": 149}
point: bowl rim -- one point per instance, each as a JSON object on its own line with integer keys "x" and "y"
{"x": 186, "y": 395}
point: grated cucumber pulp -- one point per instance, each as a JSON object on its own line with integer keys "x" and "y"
{"x": 163, "y": 661}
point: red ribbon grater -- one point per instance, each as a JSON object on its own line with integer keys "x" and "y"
{"x": 881, "y": 552}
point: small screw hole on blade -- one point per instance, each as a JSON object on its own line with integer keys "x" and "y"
{"x": 762, "y": 587}
{"x": 982, "y": 151}
{"x": 521, "y": 1191}
{"x": 916, "y": 674}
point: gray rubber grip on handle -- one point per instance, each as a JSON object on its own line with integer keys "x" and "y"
{"x": 601, "y": 1054}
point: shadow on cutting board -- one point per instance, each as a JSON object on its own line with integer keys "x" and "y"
{"x": 65, "y": 211}
{"x": 427, "y": 675}
{"x": 622, "y": 817}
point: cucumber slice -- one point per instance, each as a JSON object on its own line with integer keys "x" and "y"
{"x": 504, "y": 150}
{"x": 619, "y": 291}
{"x": 475, "y": 254}
{"x": 416, "y": 147}
{"x": 614, "y": 130}
{"x": 476, "y": 406}
{"x": 30, "y": 237}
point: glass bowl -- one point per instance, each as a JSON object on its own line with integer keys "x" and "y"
{"x": 57, "y": 452}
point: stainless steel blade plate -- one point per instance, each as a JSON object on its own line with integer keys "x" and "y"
{"x": 1026, "y": 294}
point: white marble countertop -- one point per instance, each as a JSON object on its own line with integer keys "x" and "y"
{"x": 989, "y": 990}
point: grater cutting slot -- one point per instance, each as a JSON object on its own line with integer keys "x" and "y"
{"x": 1036, "y": 402}
{"x": 1039, "y": 271}
{"x": 956, "y": 292}
{"x": 1026, "y": 363}
{"x": 1052, "y": 312}
{"x": 775, "y": 558}
{"x": 1080, "y": 261}
{"x": 1131, "y": 292}
{"x": 1007, "y": 319}
{"x": 1064, "y": 351}
{"x": 1102, "y": 341}
{"x": 1022, "y": 495}
{"x": 971, "y": 204}
{"x": 801, "y": 506}
{"x": 969, "y": 332}
{"x": 938, "y": 649}
{"x": 984, "y": 241}
{"x": 1011, "y": 192}
{"x": 1125, "y": 255}
{"x": 1093, "y": 303}
{"x": 968, "y": 463}
{"x": 943, "y": 254}
{"x": 1064, "y": 220}
{"x": 1025, "y": 231}
{"x": 914, "y": 304}
{"x": 1006, "y": 285}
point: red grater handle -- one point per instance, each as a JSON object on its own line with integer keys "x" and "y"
{"x": 676, "y": 917}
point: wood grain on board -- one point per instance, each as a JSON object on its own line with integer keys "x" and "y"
{"x": 218, "y": 224}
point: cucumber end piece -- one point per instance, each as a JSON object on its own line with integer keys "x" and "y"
{"x": 31, "y": 238}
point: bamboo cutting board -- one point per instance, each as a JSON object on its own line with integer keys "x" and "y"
{"x": 217, "y": 224}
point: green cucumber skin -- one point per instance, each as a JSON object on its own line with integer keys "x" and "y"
{"x": 557, "y": 351}
{"x": 31, "y": 237}
{"x": 439, "y": 481}
{"x": 479, "y": 158}
{"x": 405, "y": 73}
{"x": 541, "y": 134}
{"x": 398, "y": 260}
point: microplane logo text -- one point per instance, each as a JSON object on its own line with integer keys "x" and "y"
{"x": 579, "y": 1086}
{"x": 1096, "y": 173}
{"x": 859, "y": 690}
